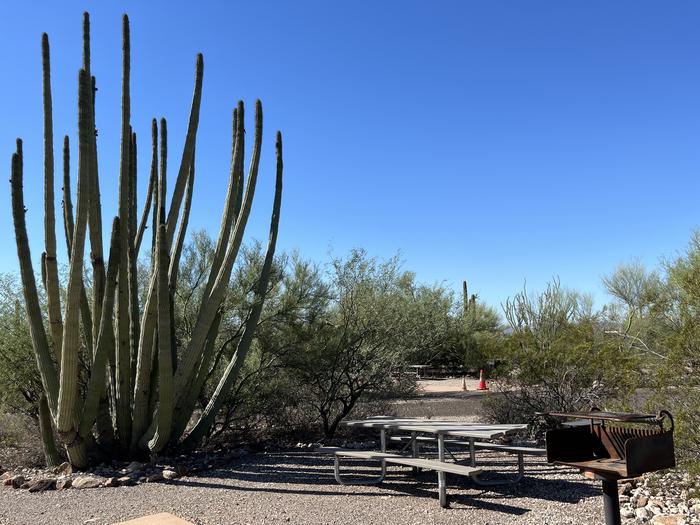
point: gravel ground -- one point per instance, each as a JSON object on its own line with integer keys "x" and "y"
{"x": 299, "y": 488}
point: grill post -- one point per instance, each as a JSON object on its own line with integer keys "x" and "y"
{"x": 611, "y": 503}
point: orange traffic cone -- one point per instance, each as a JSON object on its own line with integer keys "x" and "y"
{"x": 482, "y": 381}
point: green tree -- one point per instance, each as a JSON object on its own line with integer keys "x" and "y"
{"x": 558, "y": 357}
{"x": 678, "y": 377}
{"x": 638, "y": 319}
{"x": 377, "y": 321}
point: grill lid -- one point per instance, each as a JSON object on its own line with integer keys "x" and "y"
{"x": 624, "y": 417}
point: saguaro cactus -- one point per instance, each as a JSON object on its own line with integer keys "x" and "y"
{"x": 133, "y": 366}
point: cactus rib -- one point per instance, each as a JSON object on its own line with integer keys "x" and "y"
{"x": 122, "y": 352}
{"x": 47, "y": 370}
{"x": 50, "y": 266}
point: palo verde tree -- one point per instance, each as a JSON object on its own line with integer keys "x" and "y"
{"x": 111, "y": 370}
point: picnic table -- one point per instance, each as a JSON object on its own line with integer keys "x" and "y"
{"x": 442, "y": 432}
{"x": 438, "y": 428}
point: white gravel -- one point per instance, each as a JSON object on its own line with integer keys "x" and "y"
{"x": 299, "y": 488}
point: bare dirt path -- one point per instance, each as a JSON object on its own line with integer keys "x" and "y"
{"x": 453, "y": 385}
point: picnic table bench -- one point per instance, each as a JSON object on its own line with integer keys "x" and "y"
{"x": 441, "y": 467}
{"x": 519, "y": 451}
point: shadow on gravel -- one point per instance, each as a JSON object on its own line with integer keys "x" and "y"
{"x": 273, "y": 473}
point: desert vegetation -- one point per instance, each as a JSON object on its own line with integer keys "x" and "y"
{"x": 138, "y": 350}
{"x": 334, "y": 338}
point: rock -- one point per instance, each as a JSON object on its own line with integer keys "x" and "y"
{"x": 133, "y": 467}
{"x": 642, "y": 501}
{"x": 16, "y": 481}
{"x": 170, "y": 474}
{"x": 40, "y": 485}
{"x": 87, "y": 482}
{"x": 64, "y": 483}
{"x": 658, "y": 502}
{"x": 25, "y": 485}
{"x": 181, "y": 470}
{"x": 5, "y": 476}
{"x": 642, "y": 513}
{"x": 158, "y": 476}
{"x": 126, "y": 481}
{"x": 627, "y": 513}
{"x": 111, "y": 482}
{"x": 668, "y": 520}
{"x": 624, "y": 499}
{"x": 64, "y": 469}
{"x": 625, "y": 488}
{"x": 695, "y": 509}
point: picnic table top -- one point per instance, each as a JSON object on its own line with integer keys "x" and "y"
{"x": 436, "y": 426}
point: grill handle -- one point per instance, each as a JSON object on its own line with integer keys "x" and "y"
{"x": 661, "y": 416}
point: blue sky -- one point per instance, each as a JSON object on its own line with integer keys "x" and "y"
{"x": 494, "y": 141}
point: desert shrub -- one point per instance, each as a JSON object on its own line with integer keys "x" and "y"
{"x": 557, "y": 357}
{"x": 677, "y": 379}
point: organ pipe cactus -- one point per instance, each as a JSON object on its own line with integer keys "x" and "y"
{"x": 135, "y": 372}
{"x": 465, "y": 299}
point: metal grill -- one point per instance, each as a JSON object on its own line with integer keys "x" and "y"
{"x": 613, "y": 446}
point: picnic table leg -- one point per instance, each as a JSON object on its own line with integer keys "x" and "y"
{"x": 521, "y": 467}
{"x": 382, "y": 443}
{"x": 415, "y": 449}
{"x": 339, "y": 478}
{"x": 519, "y": 476}
{"x": 472, "y": 452}
{"x": 442, "y": 482}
